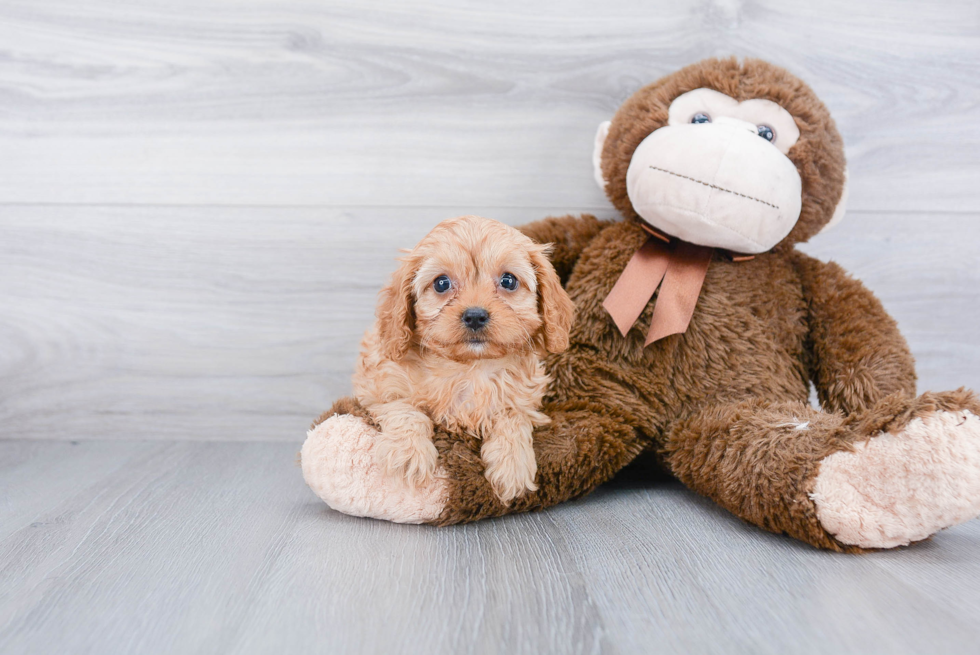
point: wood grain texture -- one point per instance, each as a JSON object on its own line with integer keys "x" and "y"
{"x": 443, "y": 104}
{"x": 208, "y": 547}
{"x": 244, "y": 323}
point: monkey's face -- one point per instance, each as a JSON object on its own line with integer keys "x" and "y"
{"x": 717, "y": 174}
{"x": 718, "y": 171}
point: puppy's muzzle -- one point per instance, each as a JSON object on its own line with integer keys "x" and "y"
{"x": 475, "y": 318}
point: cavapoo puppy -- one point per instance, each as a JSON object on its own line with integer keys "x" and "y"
{"x": 460, "y": 333}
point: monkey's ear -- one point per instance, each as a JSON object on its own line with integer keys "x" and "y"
{"x": 600, "y": 141}
{"x": 557, "y": 309}
{"x": 840, "y": 209}
{"x": 396, "y": 317}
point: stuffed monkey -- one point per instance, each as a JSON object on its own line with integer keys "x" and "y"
{"x": 699, "y": 328}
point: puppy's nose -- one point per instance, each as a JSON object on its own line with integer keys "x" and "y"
{"x": 475, "y": 318}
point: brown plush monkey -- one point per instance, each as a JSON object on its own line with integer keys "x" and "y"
{"x": 699, "y": 328}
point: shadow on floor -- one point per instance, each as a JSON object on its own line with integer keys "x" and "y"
{"x": 645, "y": 472}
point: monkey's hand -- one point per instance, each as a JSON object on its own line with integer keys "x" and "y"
{"x": 340, "y": 464}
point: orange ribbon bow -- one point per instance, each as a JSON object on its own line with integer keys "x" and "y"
{"x": 681, "y": 269}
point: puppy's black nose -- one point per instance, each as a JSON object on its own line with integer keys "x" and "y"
{"x": 475, "y": 318}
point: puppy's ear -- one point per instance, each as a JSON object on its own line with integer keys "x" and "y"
{"x": 556, "y": 307}
{"x": 396, "y": 317}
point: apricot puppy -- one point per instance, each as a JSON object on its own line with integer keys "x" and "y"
{"x": 460, "y": 333}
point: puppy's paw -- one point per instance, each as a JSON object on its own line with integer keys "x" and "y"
{"x": 510, "y": 467}
{"x": 412, "y": 457}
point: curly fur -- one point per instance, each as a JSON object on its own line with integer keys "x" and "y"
{"x": 421, "y": 365}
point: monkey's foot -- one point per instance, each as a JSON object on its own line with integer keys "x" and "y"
{"x": 341, "y": 466}
{"x": 900, "y": 487}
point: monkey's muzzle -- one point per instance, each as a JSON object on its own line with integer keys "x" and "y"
{"x": 717, "y": 185}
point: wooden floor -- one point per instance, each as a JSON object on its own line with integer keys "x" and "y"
{"x": 198, "y": 203}
{"x": 185, "y": 547}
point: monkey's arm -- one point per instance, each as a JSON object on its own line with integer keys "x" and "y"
{"x": 856, "y": 355}
{"x": 569, "y": 234}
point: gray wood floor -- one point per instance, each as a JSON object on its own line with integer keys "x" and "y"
{"x": 198, "y": 203}
{"x": 182, "y": 547}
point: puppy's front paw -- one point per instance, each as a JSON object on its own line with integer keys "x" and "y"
{"x": 510, "y": 467}
{"x": 413, "y": 457}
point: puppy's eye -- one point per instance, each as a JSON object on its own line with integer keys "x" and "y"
{"x": 442, "y": 284}
{"x": 508, "y": 281}
{"x": 766, "y": 132}
{"x": 701, "y": 118}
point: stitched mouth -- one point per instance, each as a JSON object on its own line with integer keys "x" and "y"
{"x": 713, "y": 186}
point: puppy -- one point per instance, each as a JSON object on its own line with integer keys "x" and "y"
{"x": 460, "y": 333}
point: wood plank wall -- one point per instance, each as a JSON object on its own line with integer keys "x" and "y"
{"x": 199, "y": 200}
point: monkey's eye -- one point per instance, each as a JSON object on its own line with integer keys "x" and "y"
{"x": 766, "y": 132}
{"x": 442, "y": 284}
{"x": 508, "y": 281}
{"x": 701, "y": 118}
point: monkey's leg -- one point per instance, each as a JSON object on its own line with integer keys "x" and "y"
{"x": 584, "y": 445}
{"x": 893, "y": 474}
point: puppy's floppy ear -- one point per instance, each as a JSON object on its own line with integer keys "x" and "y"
{"x": 556, "y": 307}
{"x": 396, "y": 316}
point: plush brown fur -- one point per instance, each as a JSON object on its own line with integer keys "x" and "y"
{"x": 818, "y": 154}
{"x": 724, "y": 405}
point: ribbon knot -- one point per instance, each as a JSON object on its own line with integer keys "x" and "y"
{"x": 680, "y": 269}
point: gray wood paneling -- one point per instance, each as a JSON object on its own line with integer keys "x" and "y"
{"x": 209, "y": 547}
{"x": 436, "y": 103}
{"x": 243, "y": 323}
